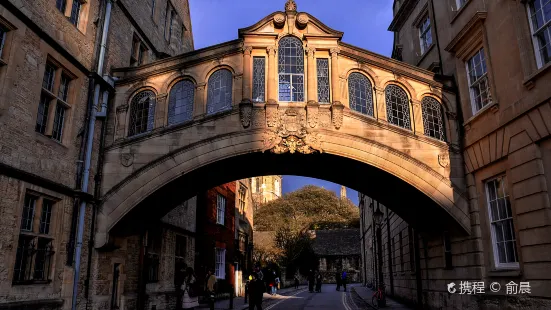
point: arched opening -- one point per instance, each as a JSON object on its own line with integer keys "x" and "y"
{"x": 142, "y": 113}
{"x": 219, "y": 96}
{"x": 180, "y": 104}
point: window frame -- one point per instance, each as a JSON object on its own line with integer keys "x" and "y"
{"x": 459, "y": 4}
{"x": 497, "y": 264}
{"x": 221, "y": 203}
{"x": 356, "y": 77}
{"x": 259, "y": 79}
{"x": 325, "y": 79}
{"x": 182, "y": 91}
{"x": 220, "y": 263}
{"x": 152, "y": 255}
{"x": 224, "y": 75}
{"x": 533, "y": 32}
{"x": 299, "y": 55}
{"x": 242, "y": 200}
{"x": 480, "y": 80}
{"x": 424, "y": 32}
{"x": 151, "y": 110}
{"x": 75, "y": 20}
{"x": 440, "y": 111}
{"x": 407, "y": 121}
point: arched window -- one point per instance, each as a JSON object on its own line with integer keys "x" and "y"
{"x": 142, "y": 113}
{"x": 360, "y": 93}
{"x": 291, "y": 69}
{"x": 432, "y": 118}
{"x": 397, "y": 106}
{"x": 180, "y": 105}
{"x": 220, "y": 91}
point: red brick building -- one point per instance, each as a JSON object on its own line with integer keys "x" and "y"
{"x": 215, "y": 239}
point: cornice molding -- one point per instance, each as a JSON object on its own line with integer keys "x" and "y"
{"x": 402, "y": 15}
{"x": 476, "y": 21}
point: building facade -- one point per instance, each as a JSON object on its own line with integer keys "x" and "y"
{"x": 55, "y": 66}
{"x": 266, "y": 189}
{"x": 496, "y": 56}
{"x": 338, "y": 251}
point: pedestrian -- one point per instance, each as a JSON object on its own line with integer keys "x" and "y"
{"x": 297, "y": 282}
{"x": 338, "y": 280}
{"x": 210, "y": 281}
{"x": 256, "y": 292}
{"x": 179, "y": 279}
{"x": 190, "y": 298}
{"x": 311, "y": 279}
{"x": 318, "y": 282}
{"x": 344, "y": 280}
{"x": 276, "y": 284}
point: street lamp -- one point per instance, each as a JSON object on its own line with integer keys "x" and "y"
{"x": 377, "y": 215}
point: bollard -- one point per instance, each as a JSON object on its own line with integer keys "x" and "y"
{"x": 231, "y": 297}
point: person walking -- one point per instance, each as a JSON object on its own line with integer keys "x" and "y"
{"x": 256, "y": 292}
{"x": 297, "y": 282}
{"x": 190, "y": 298}
{"x": 210, "y": 281}
{"x": 276, "y": 284}
{"x": 179, "y": 279}
{"x": 344, "y": 279}
{"x": 311, "y": 279}
{"x": 318, "y": 282}
{"x": 338, "y": 280}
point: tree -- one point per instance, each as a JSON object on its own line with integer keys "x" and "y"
{"x": 303, "y": 208}
{"x": 296, "y": 250}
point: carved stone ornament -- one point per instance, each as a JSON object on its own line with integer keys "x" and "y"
{"x": 337, "y": 114}
{"x": 247, "y": 50}
{"x": 272, "y": 116}
{"x": 279, "y": 20}
{"x": 291, "y": 136}
{"x": 302, "y": 20}
{"x": 245, "y": 112}
{"x": 127, "y": 159}
{"x": 312, "y": 113}
{"x": 290, "y": 5}
{"x": 444, "y": 160}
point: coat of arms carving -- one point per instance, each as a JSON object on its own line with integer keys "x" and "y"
{"x": 444, "y": 160}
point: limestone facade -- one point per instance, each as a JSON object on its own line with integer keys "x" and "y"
{"x": 49, "y": 54}
{"x": 266, "y": 189}
{"x": 505, "y": 141}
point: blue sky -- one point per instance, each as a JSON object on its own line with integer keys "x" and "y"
{"x": 364, "y": 23}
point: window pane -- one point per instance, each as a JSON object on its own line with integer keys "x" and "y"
{"x": 75, "y": 12}
{"x": 2, "y": 39}
{"x": 323, "y": 79}
{"x": 291, "y": 69}
{"x": 284, "y": 87}
{"x": 397, "y": 106}
{"x": 432, "y": 118}
{"x": 42, "y": 115}
{"x": 142, "y": 113}
{"x": 46, "y": 217}
{"x": 219, "y": 91}
{"x": 23, "y": 259}
{"x": 64, "y": 88}
{"x": 59, "y": 119}
{"x": 180, "y": 106}
{"x": 28, "y": 213}
{"x": 360, "y": 93}
{"x": 60, "y": 5}
{"x": 42, "y": 260}
{"x": 259, "y": 78}
{"x": 49, "y": 76}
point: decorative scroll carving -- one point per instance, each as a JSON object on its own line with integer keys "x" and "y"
{"x": 127, "y": 159}
{"x": 271, "y": 50}
{"x": 444, "y": 160}
{"x": 311, "y": 51}
{"x": 279, "y": 20}
{"x": 247, "y": 50}
{"x": 291, "y": 135}
{"x": 302, "y": 20}
{"x": 312, "y": 113}
{"x": 290, "y": 5}
{"x": 245, "y": 112}
{"x": 272, "y": 116}
{"x": 335, "y": 51}
{"x": 337, "y": 114}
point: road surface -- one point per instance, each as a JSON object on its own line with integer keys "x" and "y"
{"x": 329, "y": 298}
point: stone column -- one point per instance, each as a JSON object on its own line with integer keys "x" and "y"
{"x": 380, "y": 104}
{"x": 335, "y": 83}
{"x": 247, "y": 73}
{"x": 200, "y": 106}
{"x": 272, "y": 86}
{"x": 161, "y": 111}
{"x": 311, "y": 77}
{"x": 417, "y": 117}
{"x": 120, "y": 129}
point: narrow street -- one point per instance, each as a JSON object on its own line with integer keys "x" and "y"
{"x": 329, "y": 298}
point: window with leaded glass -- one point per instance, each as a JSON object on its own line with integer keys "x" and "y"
{"x": 64, "y": 87}
{"x": 540, "y": 24}
{"x": 180, "y": 105}
{"x": 33, "y": 259}
{"x": 242, "y": 201}
{"x": 61, "y": 5}
{"x": 291, "y": 69}
{"x": 259, "y": 79}
{"x": 501, "y": 222}
{"x": 75, "y": 12}
{"x": 220, "y": 209}
{"x": 219, "y": 97}
{"x": 432, "y": 118}
{"x": 397, "y": 106}
{"x": 323, "y": 80}
{"x": 142, "y": 113}
{"x": 360, "y": 93}
{"x": 153, "y": 250}
{"x": 220, "y": 268}
{"x": 138, "y": 53}
{"x": 42, "y": 115}
{"x": 49, "y": 77}
{"x": 59, "y": 119}
{"x": 478, "y": 81}
{"x": 3, "y": 33}
{"x": 425, "y": 34}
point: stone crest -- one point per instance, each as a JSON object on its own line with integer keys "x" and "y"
{"x": 245, "y": 112}
{"x": 337, "y": 114}
{"x": 290, "y": 5}
{"x": 291, "y": 135}
{"x": 127, "y": 159}
{"x": 444, "y": 160}
{"x": 312, "y": 113}
{"x": 272, "y": 114}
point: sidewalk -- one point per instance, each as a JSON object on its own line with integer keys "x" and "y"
{"x": 366, "y": 294}
{"x": 239, "y": 302}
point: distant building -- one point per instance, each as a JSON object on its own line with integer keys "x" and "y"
{"x": 266, "y": 189}
{"x": 343, "y": 192}
{"x": 338, "y": 250}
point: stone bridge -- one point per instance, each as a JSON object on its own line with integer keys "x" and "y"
{"x": 286, "y": 97}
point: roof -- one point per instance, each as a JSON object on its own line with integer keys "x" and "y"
{"x": 337, "y": 242}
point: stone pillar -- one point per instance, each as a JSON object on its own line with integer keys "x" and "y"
{"x": 417, "y": 117}
{"x": 311, "y": 77}
{"x": 335, "y": 83}
{"x": 161, "y": 111}
{"x": 247, "y": 73}
{"x": 120, "y": 129}
{"x": 200, "y": 106}
{"x": 380, "y": 104}
{"x": 272, "y": 86}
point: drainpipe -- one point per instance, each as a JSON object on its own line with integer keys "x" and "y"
{"x": 88, "y": 154}
{"x": 437, "y": 37}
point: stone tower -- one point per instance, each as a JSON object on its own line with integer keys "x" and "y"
{"x": 266, "y": 188}
{"x": 343, "y": 192}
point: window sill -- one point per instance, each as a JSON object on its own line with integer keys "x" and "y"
{"x": 505, "y": 273}
{"x": 459, "y": 11}
{"x": 530, "y": 80}
{"x": 44, "y": 138}
{"x": 492, "y": 106}
{"x": 32, "y": 282}
{"x": 425, "y": 54}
